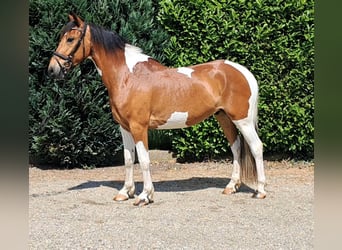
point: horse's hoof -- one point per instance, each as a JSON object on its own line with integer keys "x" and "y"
{"x": 142, "y": 202}
{"x": 258, "y": 195}
{"x": 121, "y": 197}
{"x": 231, "y": 190}
{"x": 228, "y": 191}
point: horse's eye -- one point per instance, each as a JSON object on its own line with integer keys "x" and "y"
{"x": 70, "y": 39}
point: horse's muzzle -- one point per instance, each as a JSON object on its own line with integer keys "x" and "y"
{"x": 56, "y": 72}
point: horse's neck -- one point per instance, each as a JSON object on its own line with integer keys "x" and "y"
{"x": 110, "y": 66}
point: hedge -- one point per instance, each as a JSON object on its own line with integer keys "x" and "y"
{"x": 274, "y": 39}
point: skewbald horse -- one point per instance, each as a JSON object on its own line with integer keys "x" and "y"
{"x": 146, "y": 95}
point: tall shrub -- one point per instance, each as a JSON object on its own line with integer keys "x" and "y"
{"x": 70, "y": 122}
{"x": 274, "y": 39}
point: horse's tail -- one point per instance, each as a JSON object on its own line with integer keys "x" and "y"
{"x": 247, "y": 161}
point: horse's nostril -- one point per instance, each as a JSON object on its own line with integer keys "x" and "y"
{"x": 51, "y": 71}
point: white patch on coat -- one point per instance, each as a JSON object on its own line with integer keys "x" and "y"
{"x": 144, "y": 158}
{"x": 98, "y": 69}
{"x": 134, "y": 55}
{"x": 176, "y": 120}
{"x": 253, "y": 85}
{"x": 186, "y": 71}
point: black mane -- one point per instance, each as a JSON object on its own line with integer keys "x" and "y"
{"x": 110, "y": 40}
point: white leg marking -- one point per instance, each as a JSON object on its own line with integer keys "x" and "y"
{"x": 134, "y": 55}
{"x": 129, "y": 156}
{"x": 248, "y": 131}
{"x": 176, "y": 120}
{"x": 235, "y": 180}
{"x": 144, "y": 160}
{"x": 186, "y": 71}
{"x": 236, "y": 150}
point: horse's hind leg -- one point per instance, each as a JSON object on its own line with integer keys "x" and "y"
{"x": 231, "y": 134}
{"x": 248, "y": 130}
{"x": 129, "y": 155}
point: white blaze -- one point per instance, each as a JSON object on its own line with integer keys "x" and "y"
{"x": 176, "y": 120}
{"x": 134, "y": 55}
{"x": 186, "y": 71}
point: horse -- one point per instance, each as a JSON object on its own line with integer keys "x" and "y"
{"x": 144, "y": 94}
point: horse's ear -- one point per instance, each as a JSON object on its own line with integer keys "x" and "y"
{"x": 73, "y": 17}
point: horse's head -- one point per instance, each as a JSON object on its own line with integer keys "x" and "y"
{"x": 73, "y": 48}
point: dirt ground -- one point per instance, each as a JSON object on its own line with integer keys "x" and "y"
{"x": 73, "y": 209}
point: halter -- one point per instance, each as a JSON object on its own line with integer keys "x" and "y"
{"x": 68, "y": 59}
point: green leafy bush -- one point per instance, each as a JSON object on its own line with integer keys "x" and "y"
{"x": 70, "y": 122}
{"x": 200, "y": 142}
{"x": 274, "y": 39}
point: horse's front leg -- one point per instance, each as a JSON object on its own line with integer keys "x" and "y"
{"x": 128, "y": 189}
{"x": 140, "y": 135}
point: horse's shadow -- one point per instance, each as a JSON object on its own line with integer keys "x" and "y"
{"x": 184, "y": 185}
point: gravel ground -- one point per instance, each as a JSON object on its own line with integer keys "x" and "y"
{"x": 73, "y": 209}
